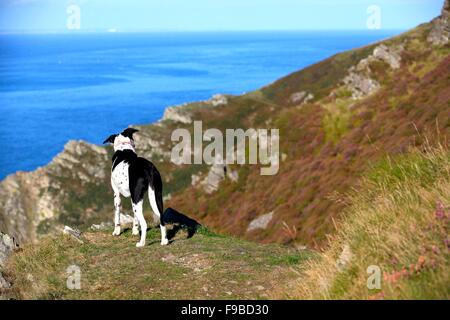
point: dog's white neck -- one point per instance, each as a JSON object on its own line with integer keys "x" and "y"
{"x": 122, "y": 143}
{"x": 125, "y": 146}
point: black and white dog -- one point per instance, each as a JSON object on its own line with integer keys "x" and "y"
{"x": 132, "y": 176}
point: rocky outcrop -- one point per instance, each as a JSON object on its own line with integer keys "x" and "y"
{"x": 7, "y": 247}
{"x": 360, "y": 80}
{"x": 440, "y": 32}
{"x": 216, "y": 174}
{"x": 103, "y": 226}
{"x": 182, "y": 113}
{"x": 28, "y": 199}
{"x": 177, "y": 114}
{"x": 149, "y": 145}
{"x": 361, "y": 85}
{"x": 4, "y": 284}
{"x": 388, "y": 55}
{"x": 301, "y": 97}
{"x": 260, "y": 222}
{"x": 344, "y": 258}
{"x": 74, "y": 233}
{"x": 75, "y": 154}
{"x": 125, "y": 220}
{"x": 218, "y": 100}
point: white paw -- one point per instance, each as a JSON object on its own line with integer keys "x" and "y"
{"x": 135, "y": 231}
{"x": 164, "y": 242}
{"x": 140, "y": 245}
{"x": 116, "y": 231}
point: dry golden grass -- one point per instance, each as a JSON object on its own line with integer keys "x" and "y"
{"x": 399, "y": 221}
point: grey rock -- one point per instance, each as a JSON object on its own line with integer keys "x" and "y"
{"x": 177, "y": 114}
{"x": 215, "y": 175}
{"x": 386, "y": 54}
{"x": 440, "y": 32}
{"x": 361, "y": 85}
{"x": 261, "y": 222}
{"x": 301, "y": 97}
{"x": 126, "y": 219}
{"x": 345, "y": 257}
{"x": 218, "y": 100}
{"x": 7, "y": 247}
{"x": 195, "y": 179}
{"x": 364, "y": 64}
{"x": 149, "y": 145}
{"x": 74, "y": 233}
{"x": 74, "y": 151}
{"x": 360, "y": 79}
{"x": 102, "y": 226}
{"x": 4, "y": 284}
{"x": 181, "y": 113}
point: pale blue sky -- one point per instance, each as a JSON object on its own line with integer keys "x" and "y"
{"x": 213, "y": 15}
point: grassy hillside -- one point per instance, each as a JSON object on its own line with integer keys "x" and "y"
{"x": 328, "y": 142}
{"x": 207, "y": 266}
{"x": 399, "y": 223}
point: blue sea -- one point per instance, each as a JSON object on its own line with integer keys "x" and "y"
{"x": 58, "y": 87}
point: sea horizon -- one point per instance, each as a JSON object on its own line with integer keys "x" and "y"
{"x": 181, "y": 31}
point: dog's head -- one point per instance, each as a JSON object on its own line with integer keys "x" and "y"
{"x": 122, "y": 141}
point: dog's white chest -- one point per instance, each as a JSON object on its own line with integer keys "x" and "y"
{"x": 120, "y": 179}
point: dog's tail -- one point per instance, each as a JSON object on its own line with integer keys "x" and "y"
{"x": 172, "y": 216}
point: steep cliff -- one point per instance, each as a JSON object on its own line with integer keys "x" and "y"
{"x": 440, "y": 33}
{"x": 36, "y": 203}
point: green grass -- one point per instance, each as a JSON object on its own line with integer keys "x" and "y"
{"x": 181, "y": 178}
{"x": 336, "y": 121}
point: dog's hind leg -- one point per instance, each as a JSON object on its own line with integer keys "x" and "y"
{"x": 156, "y": 209}
{"x": 137, "y": 209}
{"x": 135, "y": 230}
{"x": 117, "y": 207}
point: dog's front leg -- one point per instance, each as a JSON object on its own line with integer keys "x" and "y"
{"x": 117, "y": 208}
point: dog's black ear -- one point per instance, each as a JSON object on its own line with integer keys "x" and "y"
{"x": 129, "y": 132}
{"x": 110, "y": 139}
